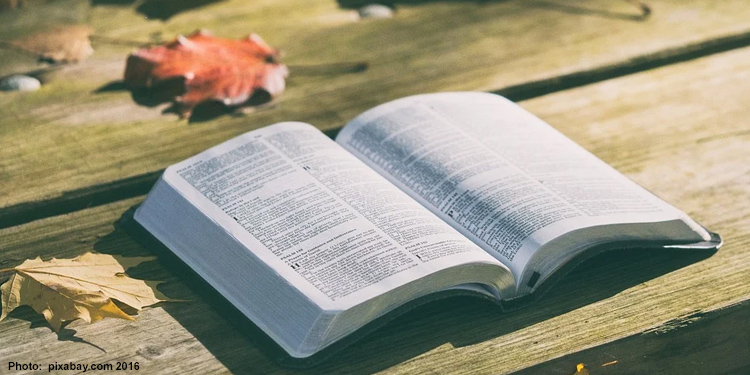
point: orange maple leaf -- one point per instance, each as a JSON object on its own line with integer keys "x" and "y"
{"x": 212, "y": 69}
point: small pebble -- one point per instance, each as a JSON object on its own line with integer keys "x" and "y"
{"x": 18, "y": 82}
{"x": 375, "y": 11}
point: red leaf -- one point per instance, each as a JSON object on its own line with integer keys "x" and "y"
{"x": 224, "y": 70}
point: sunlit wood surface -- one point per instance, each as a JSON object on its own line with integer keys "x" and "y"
{"x": 680, "y": 130}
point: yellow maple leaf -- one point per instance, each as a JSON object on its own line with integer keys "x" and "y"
{"x": 81, "y": 288}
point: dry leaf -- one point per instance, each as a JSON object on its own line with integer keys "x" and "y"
{"x": 65, "y": 44}
{"x": 211, "y": 68}
{"x": 81, "y": 288}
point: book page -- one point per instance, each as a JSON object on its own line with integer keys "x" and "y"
{"x": 322, "y": 219}
{"x": 501, "y": 176}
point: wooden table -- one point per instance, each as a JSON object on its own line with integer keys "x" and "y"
{"x": 663, "y": 100}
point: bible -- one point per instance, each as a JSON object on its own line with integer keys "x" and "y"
{"x": 313, "y": 238}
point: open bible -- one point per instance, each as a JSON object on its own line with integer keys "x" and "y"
{"x": 312, "y": 238}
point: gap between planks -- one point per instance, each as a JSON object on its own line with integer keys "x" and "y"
{"x": 129, "y": 187}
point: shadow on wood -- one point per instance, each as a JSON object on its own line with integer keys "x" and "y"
{"x": 702, "y": 343}
{"x": 37, "y": 320}
{"x": 166, "y": 91}
{"x": 458, "y": 320}
{"x": 158, "y": 9}
{"x": 555, "y": 5}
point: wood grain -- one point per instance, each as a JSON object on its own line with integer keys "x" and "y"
{"x": 698, "y": 344}
{"x": 680, "y": 131}
{"x": 80, "y": 130}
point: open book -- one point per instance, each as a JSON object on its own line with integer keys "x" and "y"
{"x": 312, "y": 238}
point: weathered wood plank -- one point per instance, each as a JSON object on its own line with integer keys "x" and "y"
{"x": 712, "y": 343}
{"x": 680, "y": 131}
{"x": 68, "y": 136}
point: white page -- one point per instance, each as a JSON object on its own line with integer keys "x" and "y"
{"x": 318, "y": 216}
{"x": 501, "y": 176}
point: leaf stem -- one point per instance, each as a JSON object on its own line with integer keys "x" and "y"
{"x": 4, "y": 270}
